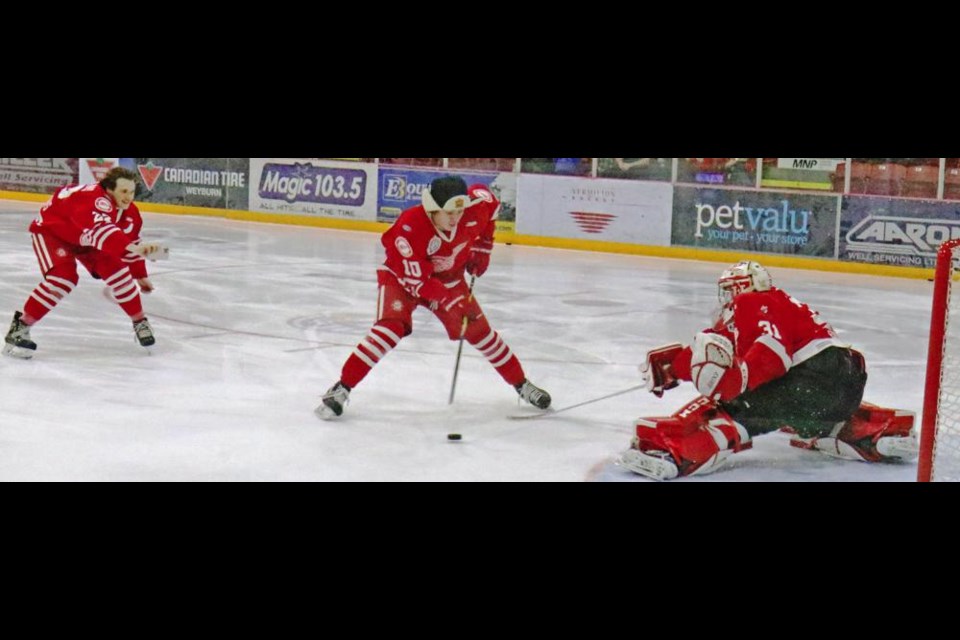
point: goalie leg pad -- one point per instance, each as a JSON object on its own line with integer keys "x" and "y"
{"x": 697, "y": 439}
{"x": 872, "y": 434}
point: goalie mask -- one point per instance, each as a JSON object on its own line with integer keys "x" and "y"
{"x": 740, "y": 278}
{"x": 448, "y": 193}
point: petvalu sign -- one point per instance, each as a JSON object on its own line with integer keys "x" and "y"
{"x": 755, "y": 221}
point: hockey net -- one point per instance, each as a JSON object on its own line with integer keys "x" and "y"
{"x": 940, "y": 432}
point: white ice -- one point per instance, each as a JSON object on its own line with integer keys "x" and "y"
{"x": 254, "y": 321}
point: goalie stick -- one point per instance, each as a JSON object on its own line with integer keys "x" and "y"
{"x": 550, "y": 412}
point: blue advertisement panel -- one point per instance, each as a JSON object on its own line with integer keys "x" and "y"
{"x": 896, "y": 232}
{"x": 219, "y": 183}
{"x": 402, "y": 188}
{"x": 756, "y": 221}
{"x": 313, "y": 187}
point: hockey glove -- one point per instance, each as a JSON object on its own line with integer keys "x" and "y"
{"x": 439, "y": 298}
{"x": 149, "y": 250}
{"x": 656, "y": 370}
{"x": 479, "y": 258}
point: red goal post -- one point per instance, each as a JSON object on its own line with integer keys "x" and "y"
{"x": 940, "y": 430}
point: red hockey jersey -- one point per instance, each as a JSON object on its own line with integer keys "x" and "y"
{"x": 421, "y": 257}
{"x": 771, "y": 332}
{"x": 87, "y": 217}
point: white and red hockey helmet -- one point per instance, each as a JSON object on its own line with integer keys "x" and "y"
{"x": 742, "y": 277}
{"x": 448, "y": 193}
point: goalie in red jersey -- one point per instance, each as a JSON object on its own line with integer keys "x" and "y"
{"x": 768, "y": 363}
{"x": 428, "y": 249}
{"x": 99, "y": 226}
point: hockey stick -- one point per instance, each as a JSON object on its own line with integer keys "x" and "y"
{"x": 463, "y": 332}
{"x": 550, "y": 412}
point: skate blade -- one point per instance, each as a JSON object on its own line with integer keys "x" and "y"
{"x": 18, "y": 352}
{"x": 534, "y": 413}
{"x": 325, "y": 413}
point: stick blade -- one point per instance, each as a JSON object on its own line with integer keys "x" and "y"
{"x": 533, "y": 416}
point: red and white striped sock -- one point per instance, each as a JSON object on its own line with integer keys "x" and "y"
{"x": 382, "y": 338}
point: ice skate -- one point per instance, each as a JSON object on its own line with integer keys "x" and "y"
{"x": 144, "y": 334}
{"x": 658, "y": 465}
{"x": 333, "y": 401}
{"x": 534, "y": 395}
{"x": 18, "y": 343}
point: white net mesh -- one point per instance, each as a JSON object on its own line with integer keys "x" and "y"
{"x": 946, "y": 447}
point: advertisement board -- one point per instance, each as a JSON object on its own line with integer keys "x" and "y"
{"x": 402, "y": 188}
{"x": 314, "y": 187}
{"x": 37, "y": 175}
{"x": 218, "y": 183}
{"x": 896, "y": 232}
{"x": 594, "y": 209}
{"x": 756, "y": 221}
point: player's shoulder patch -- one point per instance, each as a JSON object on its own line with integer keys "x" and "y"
{"x": 434, "y": 245}
{"x": 103, "y": 204}
{"x": 403, "y": 246}
{"x": 482, "y": 194}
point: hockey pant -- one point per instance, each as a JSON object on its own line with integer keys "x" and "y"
{"x": 811, "y": 398}
{"x": 394, "y": 321}
{"x": 58, "y": 264}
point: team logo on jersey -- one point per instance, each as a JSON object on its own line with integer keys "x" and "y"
{"x": 445, "y": 263}
{"x": 397, "y": 305}
{"x": 61, "y": 253}
{"x": 403, "y": 247}
{"x": 434, "y": 245}
{"x": 483, "y": 194}
{"x": 103, "y": 204}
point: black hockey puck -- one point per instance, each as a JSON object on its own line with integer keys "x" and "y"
{"x": 454, "y": 436}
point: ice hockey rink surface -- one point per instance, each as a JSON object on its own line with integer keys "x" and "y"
{"x": 253, "y": 322}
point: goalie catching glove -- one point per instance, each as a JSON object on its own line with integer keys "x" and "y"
{"x": 656, "y": 371}
{"x": 149, "y": 250}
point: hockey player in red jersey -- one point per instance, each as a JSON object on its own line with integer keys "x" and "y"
{"x": 428, "y": 249}
{"x": 99, "y": 226}
{"x": 768, "y": 363}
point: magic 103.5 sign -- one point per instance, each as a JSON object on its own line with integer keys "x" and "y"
{"x": 324, "y": 188}
{"x": 305, "y": 182}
